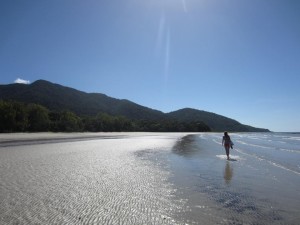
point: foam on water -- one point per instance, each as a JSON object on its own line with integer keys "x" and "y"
{"x": 232, "y": 157}
{"x": 261, "y": 158}
{"x": 253, "y": 145}
{"x": 251, "y": 190}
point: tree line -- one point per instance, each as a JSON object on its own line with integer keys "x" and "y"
{"x": 22, "y": 117}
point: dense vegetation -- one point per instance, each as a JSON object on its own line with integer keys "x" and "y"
{"x": 62, "y": 103}
{"x": 22, "y": 117}
{"x": 56, "y": 97}
{"x": 214, "y": 121}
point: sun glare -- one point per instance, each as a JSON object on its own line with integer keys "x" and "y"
{"x": 163, "y": 44}
{"x": 184, "y": 5}
{"x": 168, "y": 5}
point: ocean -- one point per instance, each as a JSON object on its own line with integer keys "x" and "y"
{"x": 260, "y": 184}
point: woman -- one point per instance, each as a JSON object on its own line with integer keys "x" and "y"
{"x": 226, "y": 142}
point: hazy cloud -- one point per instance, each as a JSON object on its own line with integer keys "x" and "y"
{"x": 21, "y": 81}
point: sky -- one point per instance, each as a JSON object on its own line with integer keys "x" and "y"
{"x": 236, "y": 58}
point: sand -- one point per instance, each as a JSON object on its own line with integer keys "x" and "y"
{"x": 148, "y": 178}
{"x": 99, "y": 181}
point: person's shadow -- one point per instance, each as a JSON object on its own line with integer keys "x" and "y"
{"x": 232, "y": 159}
{"x": 228, "y": 173}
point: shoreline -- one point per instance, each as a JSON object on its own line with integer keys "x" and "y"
{"x": 18, "y": 139}
{"x": 190, "y": 169}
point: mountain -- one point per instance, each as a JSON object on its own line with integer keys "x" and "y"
{"x": 57, "y": 97}
{"x": 214, "y": 121}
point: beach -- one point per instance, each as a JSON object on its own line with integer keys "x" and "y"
{"x": 258, "y": 185}
{"x": 149, "y": 178}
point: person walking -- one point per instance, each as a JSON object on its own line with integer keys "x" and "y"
{"x": 226, "y": 142}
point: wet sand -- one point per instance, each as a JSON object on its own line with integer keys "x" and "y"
{"x": 99, "y": 181}
{"x": 142, "y": 178}
{"x": 8, "y": 140}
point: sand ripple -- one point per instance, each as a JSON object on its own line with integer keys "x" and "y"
{"x": 87, "y": 182}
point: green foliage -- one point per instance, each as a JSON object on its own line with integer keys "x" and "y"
{"x": 38, "y": 117}
{"x": 171, "y": 126}
{"x": 58, "y": 98}
{"x": 107, "y": 123}
{"x": 7, "y": 116}
{"x": 70, "y": 122}
{"x": 86, "y": 116}
{"x": 21, "y": 120}
{"x": 19, "y": 117}
{"x": 13, "y": 117}
{"x": 214, "y": 121}
{"x": 65, "y": 121}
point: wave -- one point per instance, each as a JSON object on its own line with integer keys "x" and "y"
{"x": 235, "y": 157}
{"x": 254, "y": 145}
{"x": 276, "y": 164}
{"x": 269, "y": 147}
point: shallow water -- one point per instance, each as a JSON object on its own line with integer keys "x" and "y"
{"x": 259, "y": 185}
{"x": 149, "y": 179}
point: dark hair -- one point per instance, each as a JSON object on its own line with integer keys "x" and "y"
{"x": 225, "y": 133}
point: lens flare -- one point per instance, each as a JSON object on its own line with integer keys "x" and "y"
{"x": 163, "y": 42}
{"x": 184, "y": 6}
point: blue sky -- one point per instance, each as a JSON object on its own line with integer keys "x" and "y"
{"x": 237, "y": 58}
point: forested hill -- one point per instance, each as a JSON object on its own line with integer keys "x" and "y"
{"x": 56, "y": 97}
{"x": 214, "y": 121}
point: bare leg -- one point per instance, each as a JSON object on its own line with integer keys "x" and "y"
{"x": 227, "y": 152}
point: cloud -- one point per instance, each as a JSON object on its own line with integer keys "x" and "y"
{"x": 21, "y": 81}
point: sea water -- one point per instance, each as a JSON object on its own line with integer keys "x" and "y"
{"x": 260, "y": 184}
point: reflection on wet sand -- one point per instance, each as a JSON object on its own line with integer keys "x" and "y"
{"x": 186, "y": 146}
{"x": 228, "y": 173}
{"x": 98, "y": 181}
{"x": 216, "y": 195}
